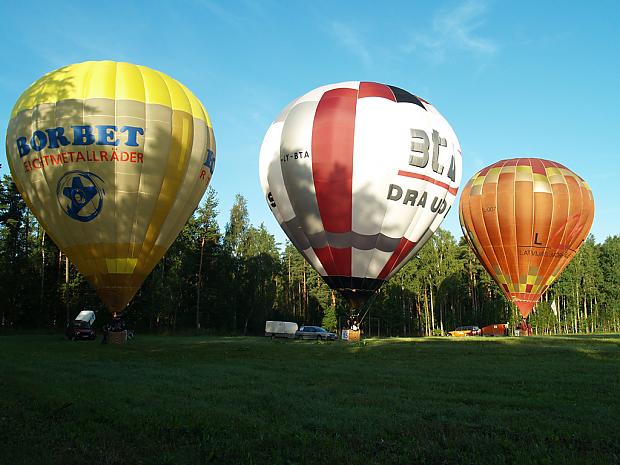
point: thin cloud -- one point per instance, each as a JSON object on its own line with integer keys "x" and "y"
{"x": 248, "y": 13}
{"x": 349, "y": 39}
{"x": 222, "y": 13}
{"x": 455, "y": 30}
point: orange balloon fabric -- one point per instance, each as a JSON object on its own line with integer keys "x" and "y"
{"x": 525, "y": 218}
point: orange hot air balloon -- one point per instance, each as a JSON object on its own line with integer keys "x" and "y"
{"x": 525, "y": 219}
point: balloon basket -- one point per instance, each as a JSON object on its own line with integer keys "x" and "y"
{"x": 351, "y": 335}
{"x": 117, "y": 337}
{"x": 523, "y": 332}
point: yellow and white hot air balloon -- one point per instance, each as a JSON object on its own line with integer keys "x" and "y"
{"x": 112, "y": 158}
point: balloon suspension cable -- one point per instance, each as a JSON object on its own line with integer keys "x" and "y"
{"x": 368, "y": 304}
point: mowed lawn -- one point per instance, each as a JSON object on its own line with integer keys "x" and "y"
{"x": 177, "y": 400}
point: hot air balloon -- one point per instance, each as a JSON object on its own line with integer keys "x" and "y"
{"x": 112, "y": 159}
{"x": 359, "y": 175}
{"x": 525, "y": 219}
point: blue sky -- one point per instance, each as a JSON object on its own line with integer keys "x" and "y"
{"x": 525, "y": 78}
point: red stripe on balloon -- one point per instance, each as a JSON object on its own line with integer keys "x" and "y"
{"x": 332, "y": 157}
{"x": 332, "y": 169}
{"x": 538, "y": 167}
{"x": 402, "y": 250}
{"x": 373, "y": 89}
{"x": 408, "y": 174}
{"x": 337, "y": 262}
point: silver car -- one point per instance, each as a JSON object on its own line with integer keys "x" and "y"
{"x": 314, "y": 332}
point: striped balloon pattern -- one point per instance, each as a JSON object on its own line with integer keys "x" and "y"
{"x": 112, "y": 158}
{"x": 525, "y": 218}
{"x": 359, "y": 175}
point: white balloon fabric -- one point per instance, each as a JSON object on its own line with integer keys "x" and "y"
{"x": 359, "y": 175}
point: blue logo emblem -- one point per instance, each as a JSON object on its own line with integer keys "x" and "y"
{"x": 80, "y": 195}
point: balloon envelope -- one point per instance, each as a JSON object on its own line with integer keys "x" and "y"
{"x": 112, "y": 158}
{"x": 359, "y": 175}
{"x": 525, "y": 219}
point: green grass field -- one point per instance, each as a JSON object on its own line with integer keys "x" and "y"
{"x": 177, "y": 400}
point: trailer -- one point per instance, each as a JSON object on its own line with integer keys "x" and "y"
{"x": 280, "y": 329}
{"x": 495, "y": 330}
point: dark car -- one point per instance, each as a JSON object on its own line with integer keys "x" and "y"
{"x": 314, "y": 332}
{"x": 79, "y": 329}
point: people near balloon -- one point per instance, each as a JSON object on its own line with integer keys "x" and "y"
{"x": 118, "y": 323}
{"x": 116, "y": 331}
{"x": 525, "y": 219}
{"x": 112, "y": 158}
{"x": 359, "y": 175}
{"x": 525, "y": 327}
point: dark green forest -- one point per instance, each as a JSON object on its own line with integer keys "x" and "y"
{"x": 231, "y": 281}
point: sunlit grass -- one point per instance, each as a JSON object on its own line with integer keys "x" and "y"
{"x": 254, "y": 400}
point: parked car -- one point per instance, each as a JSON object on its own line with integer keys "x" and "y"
{"x": 79, "y": 329}
{"x": 82, "y": 326}
{"x": 314, "y": 332}
{"x": 463, "y": 331}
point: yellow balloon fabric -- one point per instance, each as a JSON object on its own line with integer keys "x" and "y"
{"x": 112, "y": 158}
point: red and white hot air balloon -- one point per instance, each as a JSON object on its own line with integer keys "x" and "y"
{"x": 359, "y": 175}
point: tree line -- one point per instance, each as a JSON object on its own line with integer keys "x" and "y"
{"x": 232, "y": 281}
